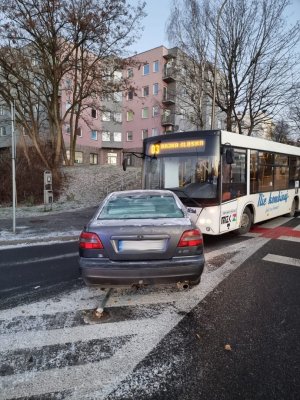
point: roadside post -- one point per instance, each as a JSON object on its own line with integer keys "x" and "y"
{"x": 48, "y": 192}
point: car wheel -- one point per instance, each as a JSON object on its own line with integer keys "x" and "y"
{"x": 246, "y": 222}
{"x": 196, "y": 282}
{"x": 293, "y": 210}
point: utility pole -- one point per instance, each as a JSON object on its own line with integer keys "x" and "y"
{"x": 13, "y": 160}
{"x": 213, "y": 109}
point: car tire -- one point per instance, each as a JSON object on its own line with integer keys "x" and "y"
{"x": 196, "y": 282}
{"x": 246, "y": 222}
{"x": 293, "y": 210}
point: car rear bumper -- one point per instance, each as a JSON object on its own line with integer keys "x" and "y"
{"x": 105, "y": 272}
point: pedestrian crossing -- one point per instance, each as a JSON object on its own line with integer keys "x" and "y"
{"x": 54, "y": 349}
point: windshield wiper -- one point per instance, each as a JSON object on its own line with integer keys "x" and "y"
{"x": 185, "y": 193}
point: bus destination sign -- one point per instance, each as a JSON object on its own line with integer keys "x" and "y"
{"x": 173, "y": 146}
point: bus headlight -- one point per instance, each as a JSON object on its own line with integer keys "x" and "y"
{"x": 205, "y": 221}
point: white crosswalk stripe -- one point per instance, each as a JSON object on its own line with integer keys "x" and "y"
{"x": 274, "y": 258}
{"x": 97, "y": 379}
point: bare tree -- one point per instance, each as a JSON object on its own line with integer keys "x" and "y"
{"x": 255, "y": 55}
{"x": 187, "y": 29}
{"x": 47, "y": 43}
{"x": 257, "y": 58}
{"x": 294, "y": 113}
{"x": 281, "y": 132}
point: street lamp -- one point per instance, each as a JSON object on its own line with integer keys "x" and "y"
{"x": 13, "y": 160}
{"x": 213, "y": 110}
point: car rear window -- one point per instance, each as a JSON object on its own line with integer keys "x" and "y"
{"x": 140, "y": 207}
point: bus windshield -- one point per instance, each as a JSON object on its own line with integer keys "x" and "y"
{"x": 193, "y": 177}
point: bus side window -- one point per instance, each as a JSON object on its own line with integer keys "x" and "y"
{"x": 253, "y": 171}
{"x": 234, "y": 176}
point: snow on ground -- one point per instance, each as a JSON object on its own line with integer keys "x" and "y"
{"x": 87, "y": 186}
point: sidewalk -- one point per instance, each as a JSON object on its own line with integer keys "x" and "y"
{"x": 48, "y": 226}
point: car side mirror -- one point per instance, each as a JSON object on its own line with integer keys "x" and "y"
{"x": 229, "y": 156}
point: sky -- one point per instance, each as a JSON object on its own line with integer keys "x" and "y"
{"x": 157, "y": 16}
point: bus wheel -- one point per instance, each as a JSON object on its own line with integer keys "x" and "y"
{"x": 246, "y": 222}
{"x": 293, "y": 210}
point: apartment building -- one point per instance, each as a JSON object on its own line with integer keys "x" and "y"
{"x": 154, "y": 104}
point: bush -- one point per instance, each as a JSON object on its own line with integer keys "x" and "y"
{"x": 29, "y": 178}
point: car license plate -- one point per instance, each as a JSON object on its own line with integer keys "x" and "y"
{"x": 141, "y": 245}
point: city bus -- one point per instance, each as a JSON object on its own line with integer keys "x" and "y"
{"x": 226, "y": 181}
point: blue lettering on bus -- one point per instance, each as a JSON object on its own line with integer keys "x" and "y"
{"x": 273, "y": 198}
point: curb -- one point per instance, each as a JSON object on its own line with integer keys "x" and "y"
{"x": 11, "y": 242}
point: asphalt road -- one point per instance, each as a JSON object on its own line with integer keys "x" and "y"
{"x": 235, "y": 336}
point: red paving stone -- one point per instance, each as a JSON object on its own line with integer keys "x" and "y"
{"x": 275, "y": 233}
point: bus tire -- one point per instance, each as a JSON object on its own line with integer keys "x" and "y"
{"x": 246, "y": 222}
{"x": 293, "y": 209}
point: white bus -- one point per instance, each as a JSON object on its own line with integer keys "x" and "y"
{"x": 227, "y": 181}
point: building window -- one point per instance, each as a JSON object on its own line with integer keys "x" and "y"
{"x": 146, "y": 69}
{"x": 2, "y": 131}
{"x": 129, "y": 116}
{"x": 155, "y": 111}
{"x": 112, "y": 158}
{"x": 155, "y": 66}
{"x": 145, "y": 112}
{"x": 1, "y": 110}
{"x": 68, "y": 84}
{"x": 130, "y": 95}
{"x": 145, "y": 91}
{"x": 129, "y": 136}
{"x": 117, "y": 76}
{"x": 106, "y": 136}
{"x": 67, "y": 129}
{"x": 78, "y": 157}
{"x": 79, "y": 131}
{"x": 94, "y": 135}
{"x": 94, "y": 113}
{"x": 129, "y": 73}
{"x": 93, "y": 158}
{"x": 144, "y": 133}
{"x": 117, "y": 136}
{"x": 118, "y": 97}
{"x": 68, "y": 105}
{"x": 154, "y": 131}
{"x": 118, "y": 117}
{"x": 106, "y": 116}
{"x": 155, "y": 89}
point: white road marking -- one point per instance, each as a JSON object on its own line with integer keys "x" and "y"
{"x": 290, "y": 238}
{"x": 276, "y": 222}
{"x": 39, "y": 259}
{"x": 89, "y": 298}
{"x": 282, "y": 260}
{"x": 102, "y": 377}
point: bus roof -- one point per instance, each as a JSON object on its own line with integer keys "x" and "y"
{"x": 233, "y": 139}
{"x": 251, "y": 142}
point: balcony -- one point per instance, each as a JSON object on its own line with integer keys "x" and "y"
{"x": 112, "y": 144}
{"x": 169, "y": 74}
{"x": 168, "y": 99}
{"x": 168, "y": 119}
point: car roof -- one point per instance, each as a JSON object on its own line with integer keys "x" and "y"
{"x": 138, "y": 192}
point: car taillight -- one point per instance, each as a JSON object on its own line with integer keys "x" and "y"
{"x": 90, "y": 240}
{"x": 190, "y": 238}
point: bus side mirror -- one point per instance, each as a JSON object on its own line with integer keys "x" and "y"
{"x": 229, "y": 155}
{"x": 124, "y": 164}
